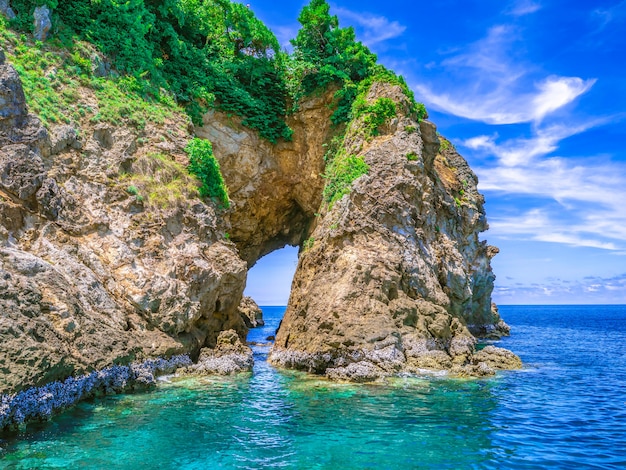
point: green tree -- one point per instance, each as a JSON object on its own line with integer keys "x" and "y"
{"x": 324, "y": 53}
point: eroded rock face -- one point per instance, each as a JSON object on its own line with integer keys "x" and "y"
{"x": 275, "y": 189}
{"x": 91, "y": 273}
{"x": 41, "y": 23}
{"x": 250, "y": 312}
{"x": 395, "y": 272}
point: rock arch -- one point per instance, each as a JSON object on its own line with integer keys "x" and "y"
{"x": 396, "y": 278}
{"x": 275, "y": 190}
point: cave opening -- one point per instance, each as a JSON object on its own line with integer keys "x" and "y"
{"x": 269, "y": 284}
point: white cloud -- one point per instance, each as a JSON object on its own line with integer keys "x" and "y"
{"x": 540, "y": 225}
{"x": 488, "y": 85}
{"x": 556, "y": 92}
{"x": 590, "y": 290}
{"x": 569, "y": 201}
{"x": 575, "y": 204}
{"x": 524, "y": 7}
{"x": 504, "y": 105}
{"x": 375, "y": 29}
{"x": 524, "y": 150}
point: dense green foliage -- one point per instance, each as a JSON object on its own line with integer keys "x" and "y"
{"x": 216, "y": 53}
{"x": 204, "y": 165}
{"x": 205, "y": 52}
{"x": 326, "y": 54}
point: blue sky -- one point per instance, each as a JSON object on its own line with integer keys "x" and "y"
{"x": 533, "y": 95}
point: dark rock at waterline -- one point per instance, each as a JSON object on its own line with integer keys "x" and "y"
{"x": 40, "y": 403}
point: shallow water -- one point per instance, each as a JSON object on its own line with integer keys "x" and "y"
{"x": 566, "y": 409}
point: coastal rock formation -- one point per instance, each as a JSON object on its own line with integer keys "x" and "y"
{"x": 230, "y": 356}
{"x": 101, "y": 262}
{"x": 108, "y": 256}
{"x": 394, "y": 275}
{"x": 250, "y": 312}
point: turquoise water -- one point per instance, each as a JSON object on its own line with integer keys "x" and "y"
{"x": 566, "y": 409}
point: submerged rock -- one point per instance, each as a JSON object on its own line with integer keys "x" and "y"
{"x": 394, "y": 272}
{"x": 497, "y": 358}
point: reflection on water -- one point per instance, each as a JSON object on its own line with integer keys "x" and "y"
{"x": 556, "y": 413}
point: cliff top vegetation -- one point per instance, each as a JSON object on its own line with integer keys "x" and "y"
{"x": 201, "y": 54}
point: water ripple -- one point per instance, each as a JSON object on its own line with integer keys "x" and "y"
{"x": 566, "y": 410}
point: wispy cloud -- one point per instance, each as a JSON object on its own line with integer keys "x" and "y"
{"x": 374, "y": 28}
{"x": 575, "y": 201}
{"x": 522, "y": 151}
{"x": 588, "y": 290}
{"x": 490, "y": 86}
{"x": 523, "y": 7}
{"x": 569, "y": 201}
{"x": 605, "y": 16}
{"x": 543, "y": 226}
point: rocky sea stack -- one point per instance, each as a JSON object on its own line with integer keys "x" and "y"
{"x": 98, "y": 265}
{"x": 393, "y": 277}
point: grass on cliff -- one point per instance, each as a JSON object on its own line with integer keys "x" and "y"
{"x": 340, "y": 173}
{"x": 60, "y": 86}
{"x": 158, "y": 181}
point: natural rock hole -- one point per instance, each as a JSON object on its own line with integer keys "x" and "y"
{"x": 269, "y": 280}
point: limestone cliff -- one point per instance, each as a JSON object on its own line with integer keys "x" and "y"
{"x": 394, "y": 275}
{"x": 107, "y": 254}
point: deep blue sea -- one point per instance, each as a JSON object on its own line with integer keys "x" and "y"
{"x": 565, "y": 409}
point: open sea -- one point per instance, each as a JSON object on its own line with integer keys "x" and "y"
{"x": 565, "y": 409}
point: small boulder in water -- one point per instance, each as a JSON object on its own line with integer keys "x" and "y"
{"x": 497, "y": 358}
{"x": 250, "y": 312}
{"x": 230, "y": 356}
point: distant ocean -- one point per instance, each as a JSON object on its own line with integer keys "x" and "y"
{"x": 566, "y": 409}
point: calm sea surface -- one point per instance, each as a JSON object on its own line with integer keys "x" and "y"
{"x": 566, "y": 409}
